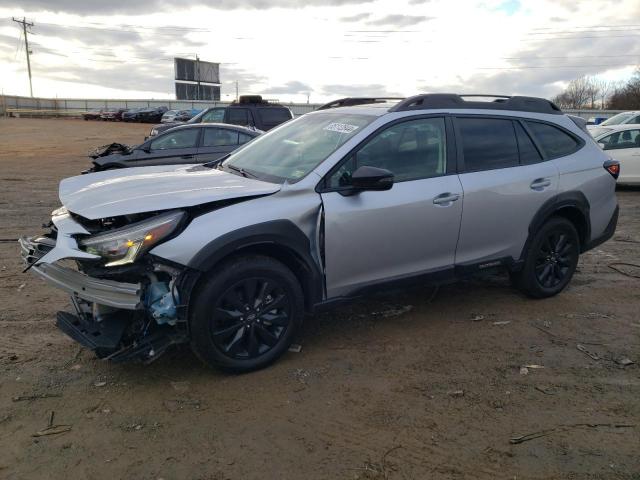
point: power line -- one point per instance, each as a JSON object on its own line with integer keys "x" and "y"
{"x": 594, "y": 26}
{"x": 558, "y": 66}
{"x": 18, "y": 45}
{"x": 26, "y": 24}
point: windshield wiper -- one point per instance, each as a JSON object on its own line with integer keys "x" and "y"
{"x": 216, "y": 163}
{"x": 241, "y": 171}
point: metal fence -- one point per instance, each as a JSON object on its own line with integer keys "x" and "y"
{"x": 75, "y": 106}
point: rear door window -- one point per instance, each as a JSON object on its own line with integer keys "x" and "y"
{"x": 219, "y": 137}
{"x": 238, "y": 116}
{"x": 186, "y": 138}
{"x": 273, "y": 116}
{"x": 215, "y": 115}
{"x": 488, "y": 143}
{"x": 244, "y": 138}
{"x": 554, "y": 141}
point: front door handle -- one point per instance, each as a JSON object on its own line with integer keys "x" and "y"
{"x": 540, "y": 184}
{"x": 446, "y": 199}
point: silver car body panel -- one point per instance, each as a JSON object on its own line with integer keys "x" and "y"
{"x": 498, "y": 208}
{"x": 294, "y": 203}
{"x": 127, "y": 296}
{"x": 146, "y": 189}
{"x": 375, "y": 236}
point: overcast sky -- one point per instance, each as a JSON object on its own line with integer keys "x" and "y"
{"x": 286, "y": 49}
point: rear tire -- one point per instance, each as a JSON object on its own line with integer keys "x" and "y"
{"x": 550, "y": 260}
{"x": 246, "y": 314}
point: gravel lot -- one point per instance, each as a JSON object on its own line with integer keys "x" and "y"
{"x": 423, "y": 383}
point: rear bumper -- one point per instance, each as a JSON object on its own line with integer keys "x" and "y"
{"x": 608, "y": 232}
{"x": 126, "y": 296}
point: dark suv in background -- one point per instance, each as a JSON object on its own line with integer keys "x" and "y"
{"x": 152, "y": 114}
{"x": 248, "y": 111}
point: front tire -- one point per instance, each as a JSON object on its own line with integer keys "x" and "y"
{"x": 246, "y": 314}
{"x": 550, "y": 261}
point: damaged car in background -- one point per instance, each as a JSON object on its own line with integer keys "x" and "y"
{"x": 198, "y": 143}
{"x": 228, "y": 257}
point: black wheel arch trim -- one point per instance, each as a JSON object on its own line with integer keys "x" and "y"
{"x": 282, "y": 235}
{"x": 574, "y": 200}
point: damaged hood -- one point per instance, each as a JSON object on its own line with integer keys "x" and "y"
{"x": 144, "y": 189}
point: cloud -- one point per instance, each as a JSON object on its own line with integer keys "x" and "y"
{"x": 542, "y": 68}
{"x": 152, "y": 78}
{"x": 113, "y": 7}
{"x": 399, "y": 21}
{"x": 89, "y": 35}
{"x": 293, "y": 87}
{"x": 366, "y": 90}
{"x": 355, "y": 18}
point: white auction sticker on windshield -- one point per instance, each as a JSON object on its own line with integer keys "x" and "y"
{"x": 341, "y": 127}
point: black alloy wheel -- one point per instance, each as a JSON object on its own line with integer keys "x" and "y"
{"x": 550, "y": 260}
{"x": 250, "y": 318}
{"x": 554, "y": 259}
{"x": 245, "y": 313}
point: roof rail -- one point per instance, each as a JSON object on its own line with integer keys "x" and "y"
{"x": 255, "y": 99}
{"x": 353, "y": 101}
{"x": 499, "y": 102}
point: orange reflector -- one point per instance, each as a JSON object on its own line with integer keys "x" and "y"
{"x": 148, "y": 238}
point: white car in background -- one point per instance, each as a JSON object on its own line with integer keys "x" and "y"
{"x": 622, "y": 142}
{"x": 624, "y": 118}
{"x": 176, "y": 116}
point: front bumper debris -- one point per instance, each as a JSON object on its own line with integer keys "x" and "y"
{"x": 118, "y": 321}
{"x": 126, "y": 296}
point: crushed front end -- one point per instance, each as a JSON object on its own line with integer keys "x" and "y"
{"x": 127, "y": 304}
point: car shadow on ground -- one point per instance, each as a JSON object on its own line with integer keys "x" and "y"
{"x": 344, "y": 325}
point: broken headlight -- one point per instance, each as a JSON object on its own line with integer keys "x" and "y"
{"x": 125, "y": 245}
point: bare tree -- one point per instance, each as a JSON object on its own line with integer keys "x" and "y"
{"x": 593, "y": 90}
{"x": 605, "y": 88}
{"x": 626, "y": 95}
{"x": 578, "y": 92}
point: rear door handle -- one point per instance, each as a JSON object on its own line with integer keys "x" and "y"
{"x": 540, "y": 184}
{"x": 445, "y": 199}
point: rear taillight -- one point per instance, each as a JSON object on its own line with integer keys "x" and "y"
{"x": 612, "y": 167}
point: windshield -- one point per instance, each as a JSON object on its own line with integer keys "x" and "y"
{"x": 618, "y": 119}
{"x": 291, "y": 151}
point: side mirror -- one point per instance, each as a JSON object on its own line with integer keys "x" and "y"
{"x": 371, "y": 178}
{"x": 146, "y": 149}
{"x": 602, "y": 145}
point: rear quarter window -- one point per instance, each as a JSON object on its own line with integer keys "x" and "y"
{"x": 553, "y": 141}
{"x": 273, "y": 116}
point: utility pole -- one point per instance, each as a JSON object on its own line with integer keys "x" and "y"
{"x": 198, "y": 76}
{"x": 236, "y": 90}
{"x": 26, "y": 24}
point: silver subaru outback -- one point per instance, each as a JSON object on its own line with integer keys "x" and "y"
{"x": 229, "y": 256}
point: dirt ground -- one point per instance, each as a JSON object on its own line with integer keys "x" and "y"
{"x": 418, "y": 384}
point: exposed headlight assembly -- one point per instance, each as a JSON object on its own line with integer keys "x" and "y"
{"x": 125, "y": 245}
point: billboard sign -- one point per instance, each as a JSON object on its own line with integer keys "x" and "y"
{"x": 196, "y": 71}
{"x": 193, "y": 91}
